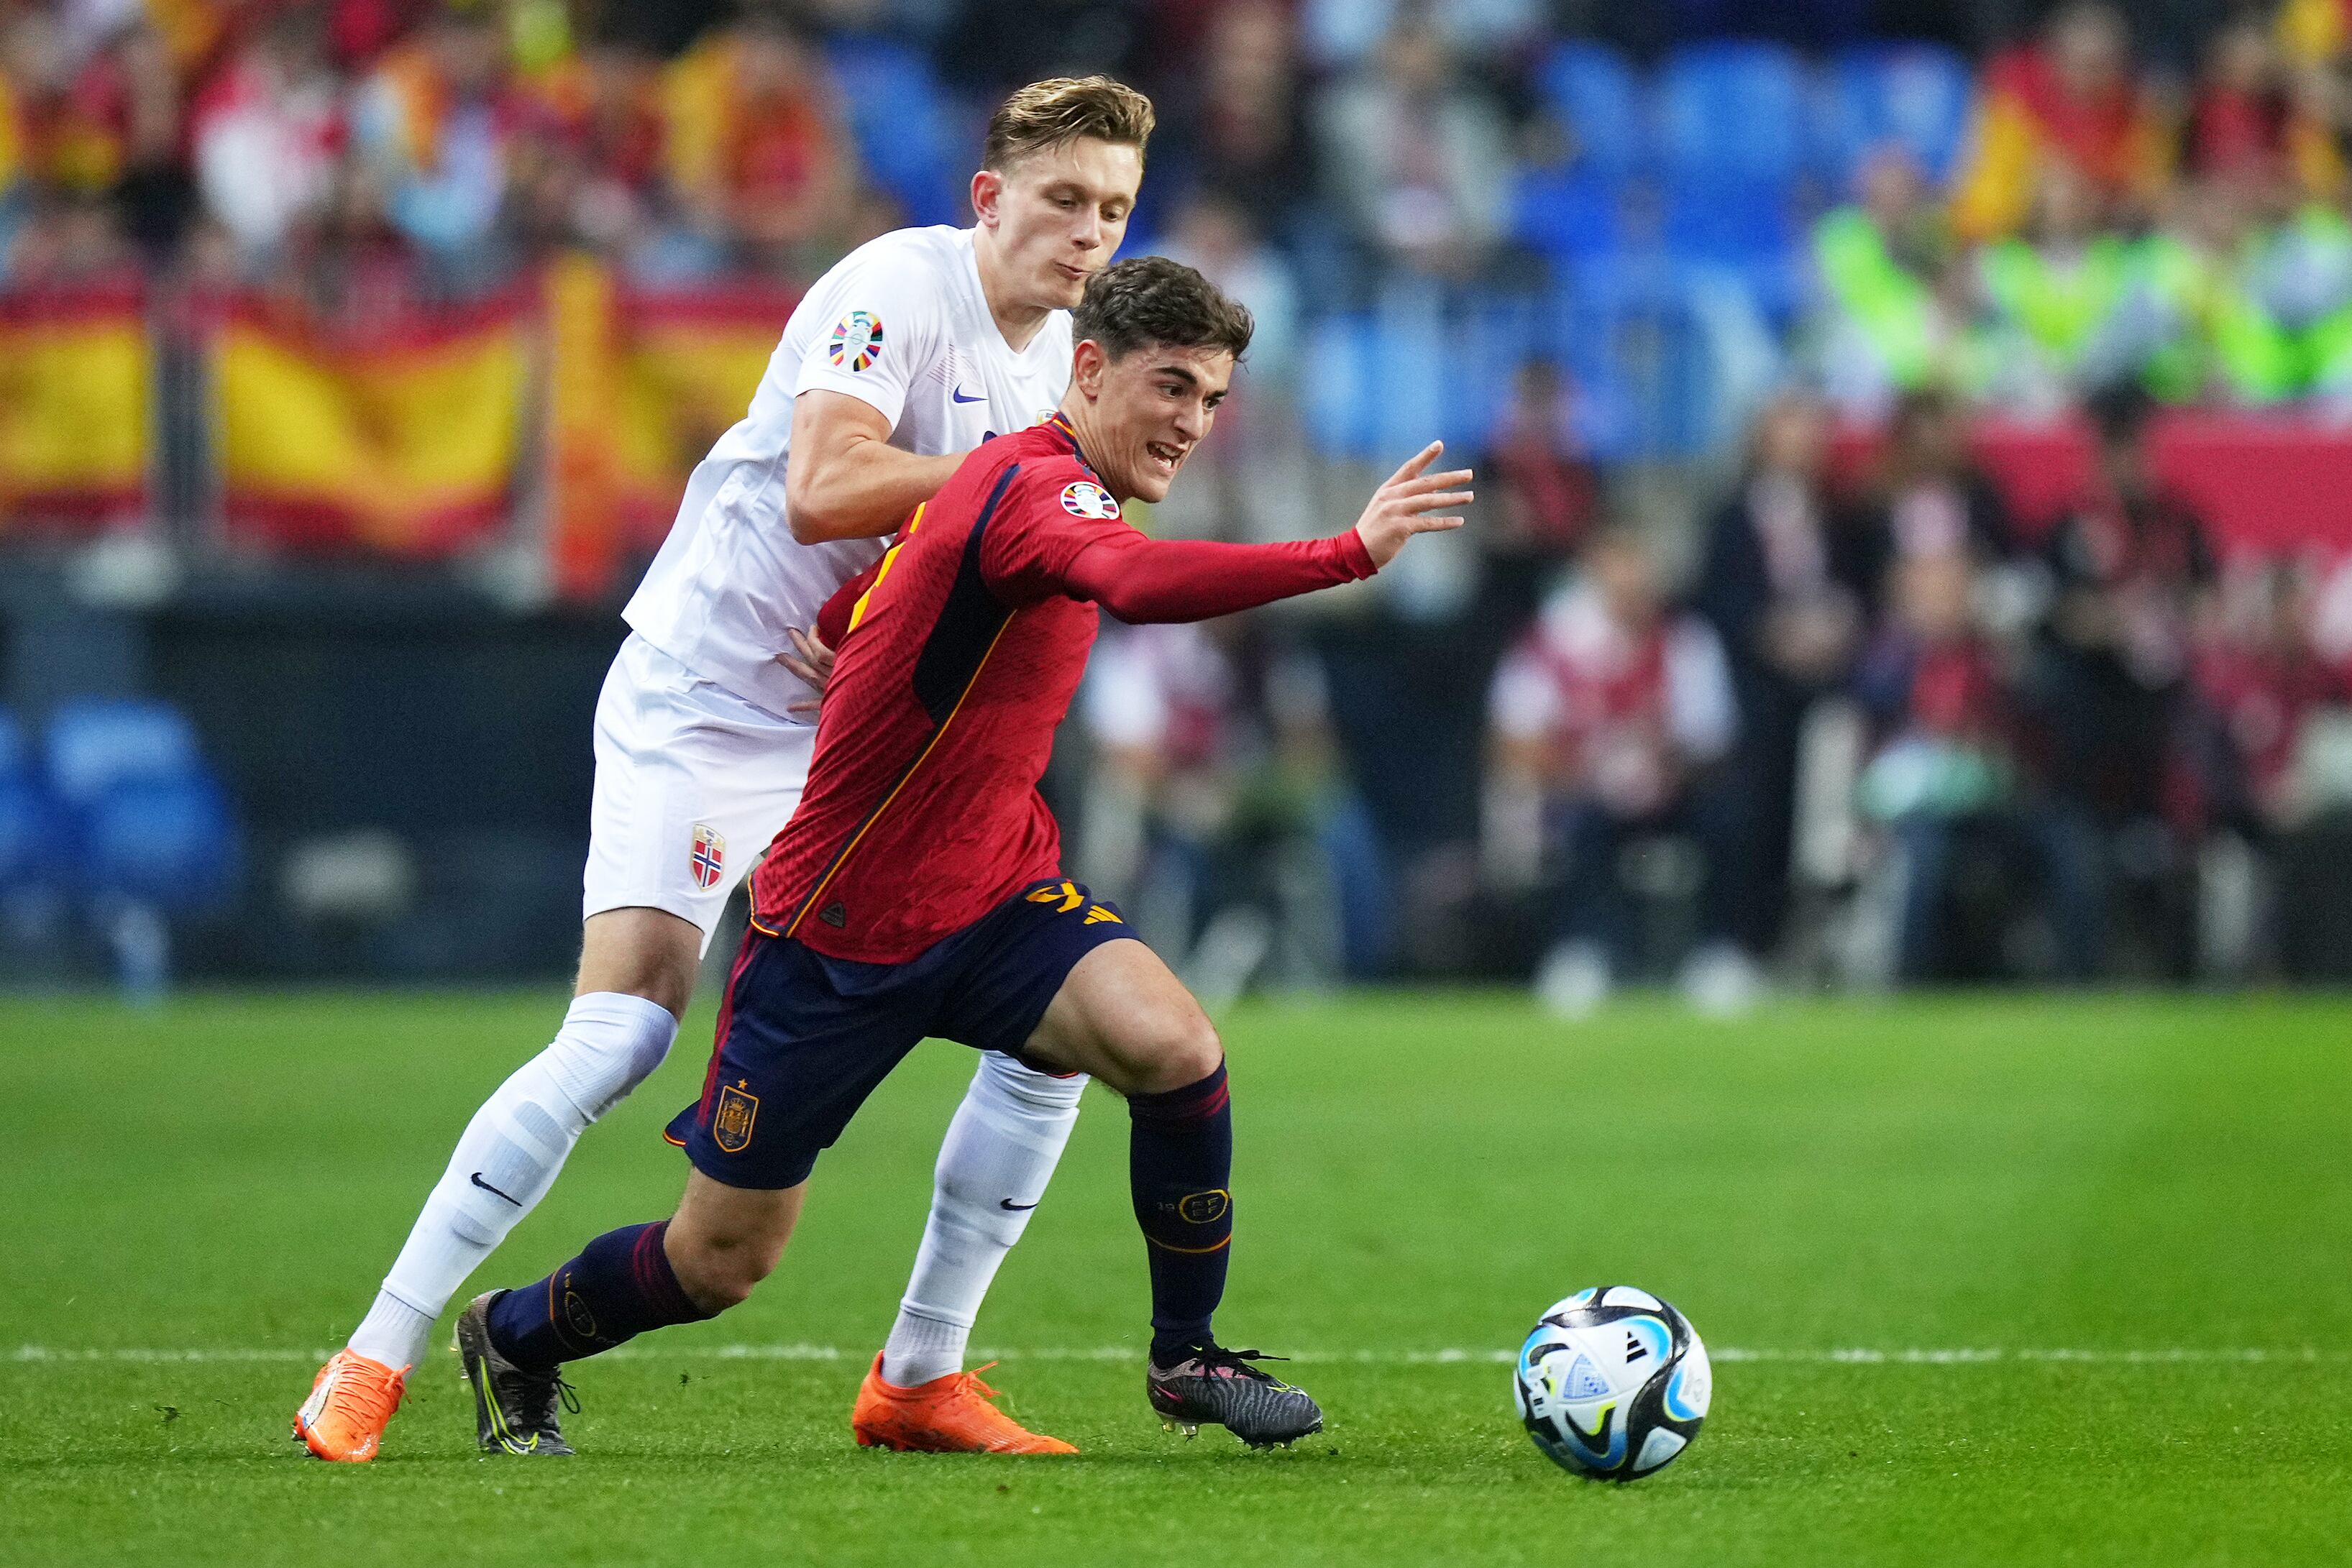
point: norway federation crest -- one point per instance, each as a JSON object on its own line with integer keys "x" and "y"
{"x": 857, "y": 341}
{"x": 1089, "y": 499}
{"x": 710, "y": 856}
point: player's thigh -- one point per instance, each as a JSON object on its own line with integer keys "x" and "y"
{"x": 1124, "y": 1016}
{"x": 725, "y": 1240}
{"x": 691, "y": 784}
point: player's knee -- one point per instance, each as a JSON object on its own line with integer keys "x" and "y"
{"x": 1179, "y": 1047}
{"x": 720, "y": 1272}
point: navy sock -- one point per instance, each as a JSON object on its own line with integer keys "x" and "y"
{"x": 1180, "y": 1165}
{"x": 619, "y": 1286}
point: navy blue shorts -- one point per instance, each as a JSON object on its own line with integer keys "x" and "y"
{"x": 803, "y": 1038}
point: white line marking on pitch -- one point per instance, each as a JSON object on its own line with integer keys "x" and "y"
{"x": 41, "y": 1354}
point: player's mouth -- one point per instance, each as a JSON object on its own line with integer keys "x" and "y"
{"x": 1074, "y": 274}
{"x": 1164, "y": 457}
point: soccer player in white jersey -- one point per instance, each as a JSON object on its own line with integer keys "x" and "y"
{"x": 914, "y": 349}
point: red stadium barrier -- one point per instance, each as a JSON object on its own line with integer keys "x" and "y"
{"x": 2263, "y": 486}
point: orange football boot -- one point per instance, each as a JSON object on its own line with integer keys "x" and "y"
{"x": 950, "y": 1414}
{"x": 352, "y": 1401}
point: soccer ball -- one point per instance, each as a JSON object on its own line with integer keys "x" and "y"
{"x": 1613, "y": 1384}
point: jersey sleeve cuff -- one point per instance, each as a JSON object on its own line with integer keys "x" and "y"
{"x": 1354, "y": 556}
{"x": 887, "y": 400}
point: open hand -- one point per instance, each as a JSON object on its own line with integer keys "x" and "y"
{"x": 1402, "y": 508}
{"x": 811, "y": 661}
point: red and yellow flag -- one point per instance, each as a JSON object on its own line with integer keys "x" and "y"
{"x": 75, "y": 380}
{"x": 641, "y": 384}
{"x": 400, "y": 437}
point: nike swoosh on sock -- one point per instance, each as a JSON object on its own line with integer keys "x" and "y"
{"x": 486, "y": 1186}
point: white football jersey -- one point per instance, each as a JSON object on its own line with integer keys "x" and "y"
{"x": 899, "y": 323}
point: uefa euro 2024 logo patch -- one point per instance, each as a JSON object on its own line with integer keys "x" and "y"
{"x": 710, "y": 856}
{"x": 857, "y": 340}
{"x": 1089, "y": 499}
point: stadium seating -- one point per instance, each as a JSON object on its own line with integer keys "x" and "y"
{"x": 24, "y": 838}
{"x": 1916, "y": 97}
{"x": 146, "y": 818}
{"x": 897, "y": 114}
{"x": 1597, "y": 95}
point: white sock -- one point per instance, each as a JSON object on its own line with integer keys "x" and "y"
{"x": 507, "y": 1159}
{"x": 1001, "y": 1151}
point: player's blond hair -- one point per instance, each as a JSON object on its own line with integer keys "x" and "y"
{"x": 1061, "y": 109}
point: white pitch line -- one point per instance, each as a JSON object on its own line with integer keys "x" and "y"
{"x": 41, "y": 1354}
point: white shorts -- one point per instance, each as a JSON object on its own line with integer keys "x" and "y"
{"x": 692, "y": 784}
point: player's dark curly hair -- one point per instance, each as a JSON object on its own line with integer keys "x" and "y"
{"x": 1151, "y": 299}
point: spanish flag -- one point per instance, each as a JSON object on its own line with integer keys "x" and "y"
{"x": 75, "y": 380}
{"x": 399, "y": 436}
{"x": 689, "y": 365}
{"x": 641, "y": 386}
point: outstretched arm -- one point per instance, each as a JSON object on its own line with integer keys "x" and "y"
{"x": 1139, "y": 580}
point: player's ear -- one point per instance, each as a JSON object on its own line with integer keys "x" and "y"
{"x": 987, "y": 185}
{"x": 1087, "y": 362}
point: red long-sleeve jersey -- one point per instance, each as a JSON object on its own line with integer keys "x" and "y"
{"x": 921, "y": 812}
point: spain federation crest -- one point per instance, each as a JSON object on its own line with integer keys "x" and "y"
{"x": 857, "y": 341}
{"x": 1089, "y": 499}
{"x": 732, "y": 1118}
{"x": 710, "y": 856}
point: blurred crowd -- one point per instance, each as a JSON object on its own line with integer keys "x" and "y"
{"x": 1841, "y": 716}
{"x": 2106, "y": 225}
{"x": 1959, "y": 747}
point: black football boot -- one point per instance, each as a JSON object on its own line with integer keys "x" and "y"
{"x": 514, "y": 1410}
{"x": 1214, "y": 1386}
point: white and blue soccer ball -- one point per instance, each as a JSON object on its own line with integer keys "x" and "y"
{"x": 1613, "y": 1384}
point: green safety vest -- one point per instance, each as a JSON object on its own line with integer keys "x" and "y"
{"x": 2326, "y": 345}
{"x": 1893, "y": 306}
{"x": 2229, "y": 335}
{"x": 2058, "y": 308}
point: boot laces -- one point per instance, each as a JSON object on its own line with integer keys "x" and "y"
{"x": 357, "y": 1394}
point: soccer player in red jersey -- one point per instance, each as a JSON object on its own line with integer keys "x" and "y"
{"x": 917, "y": 890}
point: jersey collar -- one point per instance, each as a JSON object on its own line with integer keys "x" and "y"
{"x": 1059, "y": 423}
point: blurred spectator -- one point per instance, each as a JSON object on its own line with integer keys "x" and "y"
{"x": 1346, "y": 34}
{"x": 93, "y": 109}
{"x": 2256, "y": 679}
{"x": 2069, "y": 97}
{"x": 1417, "y": 160}
{"x": 1541, "y": 493}
{"x": 269, "y": 137}
{"x": 1607, "y": 725}
{"x": 2055, "y": 299}
{"x": 436, "y": 126}
{"x": 2193, "y": 321}
{"x": 1929, "y": 496}
{"x": 1886, "y": 323}
{"x": 1783, "y": 586}
{"x": 1216, "y": 814}
{"x": 1940, "y": 775}
{"x": 596, "y": 175}
{"x": 1216, "y": 233}
{"x": 1245, "y": 134}
{"x": 2131, "y": 567}
{"x": 991, "y": 47}
{"x": 757, "y": 148}
{"x": 2248, "y": 115}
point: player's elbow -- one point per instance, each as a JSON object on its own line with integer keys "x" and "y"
{"x": 809, "y": 508}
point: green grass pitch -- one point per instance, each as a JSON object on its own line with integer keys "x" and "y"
{"x": 2001, "y": 1281}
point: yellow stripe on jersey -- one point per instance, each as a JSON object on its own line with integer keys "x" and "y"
{"x": 858, "y": 611}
